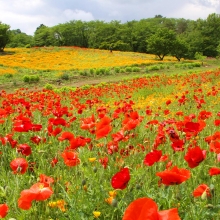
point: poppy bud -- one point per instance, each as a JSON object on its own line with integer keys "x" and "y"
{"x": 114, "y": 203}
{"x": 204, "y": 195}
{"x": 210, "y": 206}
{"x": 84, "y": 182}
{"x": 138, "y": 187}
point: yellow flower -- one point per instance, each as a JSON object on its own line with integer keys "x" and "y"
{"x": 85, "y": 188}
{"x": 59, "y": 204}
{"x": 112, "y": 193}
{"x": 109, "y": 200}
{"x": 96, "y": 214}
{"x": 92, "y": 159}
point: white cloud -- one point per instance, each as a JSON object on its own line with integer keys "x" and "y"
{"x": 78, "y": 15}
{"x": 193, "y": 11}
{"x": 208, "y": 3}
{"x": 27, "y": 15}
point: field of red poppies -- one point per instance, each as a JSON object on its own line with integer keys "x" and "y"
{"x": 145, "y": 148}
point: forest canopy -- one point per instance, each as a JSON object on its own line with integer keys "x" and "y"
{"x": 161, "y": 36}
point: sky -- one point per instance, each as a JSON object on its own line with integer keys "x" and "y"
{"x": 27, "y": 15}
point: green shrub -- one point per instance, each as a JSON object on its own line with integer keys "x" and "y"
{"x": 154, "y": 67}
{"x": 86, "y": 86}
{"x": 190, "y": 66}
{"x": 122, "y": 70}
{"x": 49, "y": 86}
{"x": 177, "y": 66}
{"x": 97, "y": 72}
{"x": 136, "y": 69}
{"x": 128, "y": 69}
{"x": 117, "y": 69}
{"x": 27, "y": 46}
{"x": 8, "y": 75}
{"x": 196, "y": 64}
{"x": 107, "y": 71}
{"x": 65, "y": 76}
{"x": 92, "y": 71}
{"x": 83, "y": 73}
{"x": 102, "y": 71}
{"x": 33, "y": 79}
{"x": 26, "y": 79}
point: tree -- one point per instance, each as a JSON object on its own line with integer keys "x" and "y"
{"x": 4, "y": 35}
{"x": 19, "y": 39}
{"x": 180, "y": 49}
{"x": 211, "y": 33}
{"x": 218, "y": 50}
{"x": 161, "y": 43}
{"x": 45, "y": 36}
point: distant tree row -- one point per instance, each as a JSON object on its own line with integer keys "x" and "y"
{"x": 159, "y": 35}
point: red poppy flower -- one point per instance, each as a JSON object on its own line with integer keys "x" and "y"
{"x": 53, "y": 132}
{"x": 24, "y": 149}
{"x": 215, "y": 147}
{"x": 194, "y": 127}
{"x": 46, "y": 180}
{"x": 160, "y": 138}
{"x": 146, "y": 208}
{"x": 8, "y": 138}
{"x": 203, "y": 115}
{"x": 103, "y": 127}
{"x": 217, "y": 122}
{"x": 120, "y": 180}
{"x": 201, "y": 190}
{"x": 118, "y": 136}
{"x": 66, "y": 135}
{"x": 214, "y": 137}
{"x": 131, "y": 121}
{"x": 41, "y": 191}
{"x": 24, "y": 124}
{"x": 38, "y": 192}
{"x": 168, "y": 102}
{"x": 169, "y": 164}
{"x": 37, "y": 139}
{"x": 54, "y": 162}
{"x": 112, "y": 147}
{"x": 172, "y": 134}
{"x": 195, "y": 156}
{"x": 78, "y": 142}
{"x": 174, "y": 176}
{"x": 104, "y": 162}
{"x": 3, "y": 210}
{"x": 88, "y": 123}
{"x": 178, "y": 145}
{"x": 214, "y": 171}
{"x": 152, "y": 157}
{"x": 70, "y": 158}
{"x": 57, "y": 121}
{"x": 25, "y": 199}
{"x": 19, "y": 165}
{"x": 179, "y": 113}
{"x": 166, "y": 112}
{"x": 148, "y": 112}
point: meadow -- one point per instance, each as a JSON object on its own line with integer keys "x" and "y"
{"x": 74, "y": 66}
{"x": 143, "y": 147}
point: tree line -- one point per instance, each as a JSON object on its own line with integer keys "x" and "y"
{"x": 161, "y": 36}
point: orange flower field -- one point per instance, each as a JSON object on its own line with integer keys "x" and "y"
{"x": 71, "y": 58}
